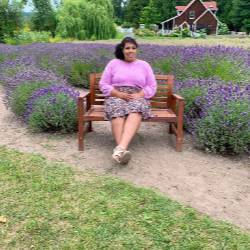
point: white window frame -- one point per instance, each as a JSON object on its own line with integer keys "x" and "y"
{"x": 191, "y": 14}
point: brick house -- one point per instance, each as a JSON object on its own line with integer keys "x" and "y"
{"x": 196, "y": 15}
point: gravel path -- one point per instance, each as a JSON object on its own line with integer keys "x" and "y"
{"x": 212, "y": 184}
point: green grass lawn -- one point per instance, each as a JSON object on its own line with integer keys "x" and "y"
{"x": 49, "y": 206}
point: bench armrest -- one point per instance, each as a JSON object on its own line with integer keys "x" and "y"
{"x": 80, "y": 103}
{"x": 176, "y": 103}
{"x": 178, "y": 97}
{"x": 83, "y": 95}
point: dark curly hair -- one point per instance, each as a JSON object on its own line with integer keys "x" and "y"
{"x": 119, "y": 47}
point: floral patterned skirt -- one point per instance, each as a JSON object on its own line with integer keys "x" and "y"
{"x": 116, "y": 107}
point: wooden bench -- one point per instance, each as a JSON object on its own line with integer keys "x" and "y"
{"x": 166, "y": 107}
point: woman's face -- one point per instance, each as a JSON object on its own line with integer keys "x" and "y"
{"x": 129, "y": 52}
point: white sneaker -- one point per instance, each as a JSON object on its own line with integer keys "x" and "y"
{"x": 121, "y": 155}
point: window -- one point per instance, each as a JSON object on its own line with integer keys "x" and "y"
{"x": 191, "y": 14}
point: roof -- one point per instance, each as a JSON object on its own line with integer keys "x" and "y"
{"x": 180, "y": 8}
{"x": 212, "y": 5}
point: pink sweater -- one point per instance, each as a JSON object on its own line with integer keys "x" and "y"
{"x": 122, "y": 73}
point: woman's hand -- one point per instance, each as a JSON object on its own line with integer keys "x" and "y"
{"x": 119, "y": 94}
{"x": 136, "y": 95}
{"x": 124, "y": 96}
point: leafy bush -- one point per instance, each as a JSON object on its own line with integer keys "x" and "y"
{"x": 2, "y": 58}
{"x": 167, "y": 65}
{"x": 26, "y": 37}
{"x": 21, "y": 95}
{"x": 10, "y": 18}
{"x": 127, "y": 25}
{"x": 201, "y": 33}
{"x": 79, "y": 73}
{"x": 180, "y": 33}
{"x": 144, "y": 32}
{"x": 226, "y": 129}
{"x": 52, "y": 109}
{"x": 192, "y": 110}
{"x": 207, "y": 67}
{"x": 223, "y": 29}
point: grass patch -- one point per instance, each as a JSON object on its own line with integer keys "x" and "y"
{"x": 48, "y": 206}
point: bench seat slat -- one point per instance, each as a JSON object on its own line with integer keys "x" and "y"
{"x": 96, "y": 113}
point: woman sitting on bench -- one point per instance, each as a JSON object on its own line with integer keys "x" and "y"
{"x": 127, "y": 84}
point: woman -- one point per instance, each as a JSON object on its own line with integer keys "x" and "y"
{"x": 127, "y": 83}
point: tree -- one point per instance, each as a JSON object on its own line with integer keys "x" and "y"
{"x": 118, "y": 6}
{"x": 150, "y": 15}
{"x": 133, "y": 11}
{"x": 86, "y": 19}
{"x": 43, "y": 18}
{"x": 241, "y": 15}
{"x": 10, "y": 17}
{"x": 224, "y": 9}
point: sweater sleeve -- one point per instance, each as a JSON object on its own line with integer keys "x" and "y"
{"x": 151, "y": 84}
{"x": 105, "y": 83}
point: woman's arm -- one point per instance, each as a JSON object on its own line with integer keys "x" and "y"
{"x": 151, "y": 84}
{"x": 105, "y": 83}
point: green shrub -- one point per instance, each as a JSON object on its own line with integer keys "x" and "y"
{"x": 223, "y": 29}
{"x": 81, "y": 35}
{"x": 190, "y": 95}
{"x": 226, "y": 129}
{"x": 26, "y": 37}
{"x": 205, "y": 68}
{"x": 127, "y": 25}
{"x": 79, "y": 73}
{"x": 180, "y": 33}
{"x": 54, "y": 112}
{"x": 192, "y": 110}
{"x": 167, "y": 65}
{"x": 144, "y": 32}
{"x": 2, "y": 58}
{"x": 21, "y": 95}
{"x": 201, "y": 33}
{"x": 209, "y": 67}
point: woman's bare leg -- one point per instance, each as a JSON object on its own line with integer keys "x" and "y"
{"x": 117, "y": 125}
{"x": 132, "y": 124}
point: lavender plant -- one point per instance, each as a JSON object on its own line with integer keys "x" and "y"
{"x": 21, "y": 94}
{"x": 225, "y": 129}
{"x": 28, "y": 75}
{"x": 52, "y": 109}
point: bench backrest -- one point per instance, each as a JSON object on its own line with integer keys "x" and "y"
{"x": 160, "y": 100}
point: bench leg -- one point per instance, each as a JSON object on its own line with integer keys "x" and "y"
{"x": 179, "y": 137}
{"x": 170, "y": 130}
{"x": 80, "y": 134}
{"x": 90, "y": 128}
{"x": 179, "y": 142}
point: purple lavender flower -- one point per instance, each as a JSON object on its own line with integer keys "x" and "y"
{"x": 51, "y": 92}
